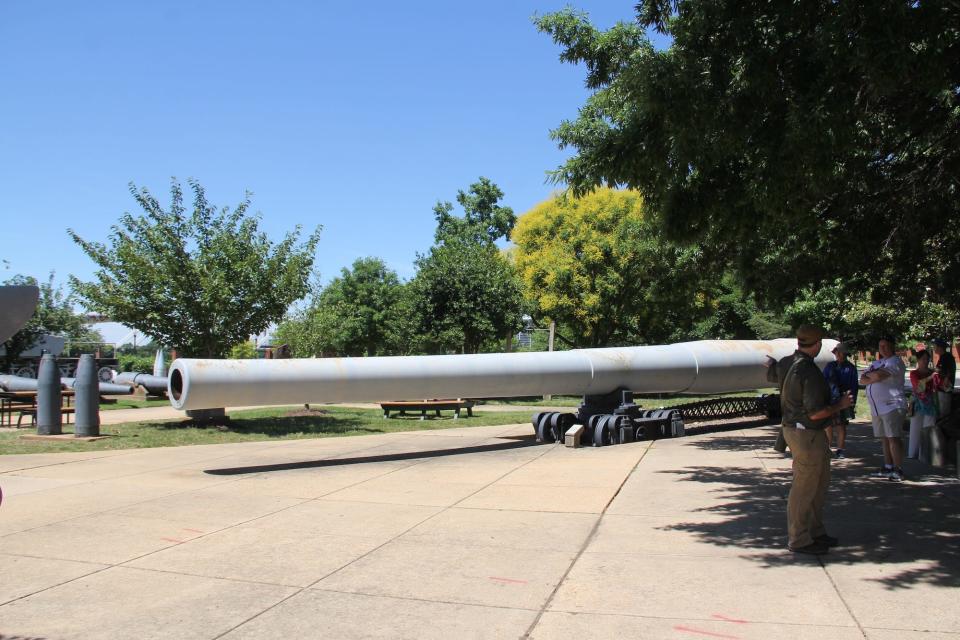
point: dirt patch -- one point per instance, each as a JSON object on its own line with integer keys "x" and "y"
{"x": 305, "y": 412}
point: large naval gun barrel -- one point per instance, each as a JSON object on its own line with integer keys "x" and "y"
{"x": 154, "y": 384}
{"x": 19, "y": 383}
{"x": 703, "y": 367}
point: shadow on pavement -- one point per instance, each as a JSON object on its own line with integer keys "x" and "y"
{"x": 735, "y": 443}
{"x": 388, "y": 457}
{"x": 909, "y": 530}
{"x": 319, "y": 423}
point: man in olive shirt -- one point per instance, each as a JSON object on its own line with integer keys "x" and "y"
{"x": 776, "y": 373}
{"x": 805, "y": 403}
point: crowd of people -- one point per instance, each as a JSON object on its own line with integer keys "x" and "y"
{"x": 817, "y": 404}
{"x": 929, "y": 400}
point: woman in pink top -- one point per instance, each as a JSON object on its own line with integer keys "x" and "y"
{"x": 924, "y": 404}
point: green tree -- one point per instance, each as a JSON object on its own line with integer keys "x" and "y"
{"x": 777, "y": 132}
{"x": 54, "y": 316}
{"x": 354, "y": 315}
{"x": 733, "y": 314}
{"x": 466, "y": 295}
{"x": 306, "y": 332}
{"x": 367, "y": 296}
{"x": 484, "y": 220}
{"x": 245, "y": 350}
{"x": 197, "y": 282}
{"x": 467, "y": 298}
{"x": 856, "y": 318}
{"x": 401, "y": 328}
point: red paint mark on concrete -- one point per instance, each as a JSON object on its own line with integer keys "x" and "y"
{"x": 680, "y": 627}
{"x": 507, "y": 580}
{"x": 726, "y": 619}
{"x": 172, "y": 540}
{"x": 192, "y": 530}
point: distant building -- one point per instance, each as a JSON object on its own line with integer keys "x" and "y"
{"x": 47, "y": 344}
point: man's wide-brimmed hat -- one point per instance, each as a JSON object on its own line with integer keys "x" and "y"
{"x": 808, "y": 335}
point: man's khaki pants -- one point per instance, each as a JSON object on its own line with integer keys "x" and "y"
{"x": 811, "y": 476}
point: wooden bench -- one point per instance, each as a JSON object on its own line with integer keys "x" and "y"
{"x": 66, "y": 412}
{"x": 11, "y": 403}
{"x": 428, "y": 405}
{"x": 25, "y": 403}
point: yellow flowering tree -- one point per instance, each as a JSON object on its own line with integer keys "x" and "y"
{"x": 599, "y": 268}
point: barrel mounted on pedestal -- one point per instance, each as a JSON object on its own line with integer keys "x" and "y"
{"x": 611, "y": 418}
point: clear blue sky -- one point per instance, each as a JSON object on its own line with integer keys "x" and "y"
{"x": 354, "y": 116}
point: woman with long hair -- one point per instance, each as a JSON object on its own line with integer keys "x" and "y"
{"x": 924, "y": 406}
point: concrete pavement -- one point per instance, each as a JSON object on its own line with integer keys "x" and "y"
{"x": 468, "y": 533}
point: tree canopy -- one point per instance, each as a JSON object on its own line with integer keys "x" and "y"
{"x": 484, "y": 221}
{"x": 601, "y": 269}
{"x": 198, "y": 282}
{"x": 801, "y": 138}
{"x": 466, "y": 295}
{"x": 359, "y": 313}
{"x": 467, "y": 298}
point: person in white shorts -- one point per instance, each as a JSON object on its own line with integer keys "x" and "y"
{"x": 884, "y": 381}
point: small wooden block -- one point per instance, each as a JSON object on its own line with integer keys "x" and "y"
{"x": 572, "y": 437}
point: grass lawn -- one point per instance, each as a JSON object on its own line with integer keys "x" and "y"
{"x": 536, "y": 401}
{"x": 286, "y": 423}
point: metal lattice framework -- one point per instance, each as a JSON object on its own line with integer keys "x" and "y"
{"x": 719, "y": 408}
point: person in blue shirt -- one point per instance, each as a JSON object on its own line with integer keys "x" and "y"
{"x": 841, "y": 375}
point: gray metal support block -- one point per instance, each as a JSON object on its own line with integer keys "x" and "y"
{"x": 49, "y": 398}
{"x": 87, "y": 398}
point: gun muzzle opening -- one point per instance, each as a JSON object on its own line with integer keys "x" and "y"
{"x": 176, "y": 384}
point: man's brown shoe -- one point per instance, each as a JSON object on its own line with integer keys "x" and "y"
{"x": 813, "y": 549}
{"x": 829, "y": 541}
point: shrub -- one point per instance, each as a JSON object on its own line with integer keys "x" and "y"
{"x": 137, "y": 364}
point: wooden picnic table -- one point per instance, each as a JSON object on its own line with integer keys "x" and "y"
{"x": 25, "y": 404}
{"x": 402, "y": 406}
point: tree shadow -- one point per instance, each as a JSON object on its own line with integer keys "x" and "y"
{"x": 737, "y": 442}
{"x": 309, "y": 422}
{"x": 915, "y": 523}
{"x": 280, "y": 426}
